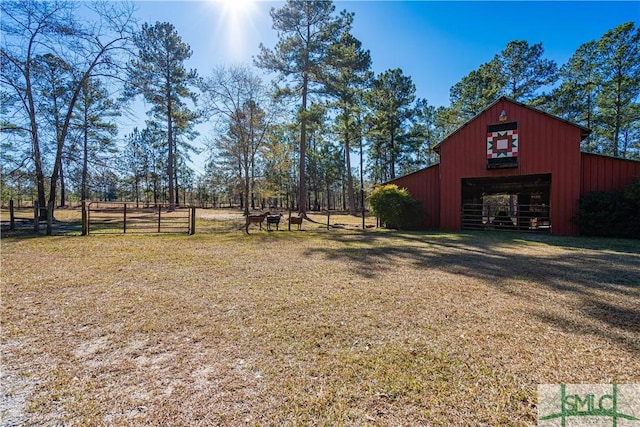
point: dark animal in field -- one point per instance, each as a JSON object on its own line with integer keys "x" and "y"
{"x": 255, "y": 219}
{"x": 296, "y": 220}
{"x": 274, "y": 219}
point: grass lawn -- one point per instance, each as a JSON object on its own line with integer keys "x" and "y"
{"x": 305, "y": 328}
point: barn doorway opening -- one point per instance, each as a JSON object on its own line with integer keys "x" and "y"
{"x": 519, "y": 203}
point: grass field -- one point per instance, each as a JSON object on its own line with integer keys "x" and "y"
{"x": 306, "y": 328}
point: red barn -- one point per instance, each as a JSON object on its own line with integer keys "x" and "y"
{"x": 514, "y": 167}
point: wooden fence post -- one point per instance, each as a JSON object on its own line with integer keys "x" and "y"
{"x": 124, "y": 223}
{"x": 159, "y": 210}
{"x": 289, "y": 220}
{"x": 85, "y": 220}
{"x": 36, "y": 216}
{"x": 12, "y": 216}
{"x": 192, "y": 228}
{"x": 328, "y": 215}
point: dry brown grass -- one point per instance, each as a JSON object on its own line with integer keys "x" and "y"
{"x": 310, "y": 328}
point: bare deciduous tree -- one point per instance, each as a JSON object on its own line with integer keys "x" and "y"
{"x": 243, "y": 113}
{"x": 33, "y": 29}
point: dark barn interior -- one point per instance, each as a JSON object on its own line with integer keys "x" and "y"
{"x": 513, "y": 202}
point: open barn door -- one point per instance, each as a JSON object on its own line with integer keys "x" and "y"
{"x": 518, "y": 203}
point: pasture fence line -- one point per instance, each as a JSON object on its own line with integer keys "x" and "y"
{"x": 130, "y": 217}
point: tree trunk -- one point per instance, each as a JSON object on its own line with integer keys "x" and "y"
{"x": 39, "y": 172}
{"x": 59, "y": 159}
{"x": 328, "y": 195}
{"x": 347, "y": 153}
{"x": 616, "y": 130}
{"x": 303, "y": 129}
{"x": 63, "y": 191}
{"x": 137, "y": 190}
{"x": 247, "y": 187}
{"x": 35, "y": 140}
{"x": 176, "y": 187}
{"x": 302, "y": 202}
{"x": 155, "y": 191}
{"x": 85, "y": 159}
{"x": 253, "y": 182}
{"x": 170, "y": 170}
{"x": 56, "y": 173}
{"x": 392, "y": 162}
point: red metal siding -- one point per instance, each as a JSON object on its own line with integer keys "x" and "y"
{"x": 601, "y": 173}
{"x": 424, "y": 185}
{"x": 546, "y": 145}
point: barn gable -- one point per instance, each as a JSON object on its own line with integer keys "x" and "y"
{"x": 548, "y": 150}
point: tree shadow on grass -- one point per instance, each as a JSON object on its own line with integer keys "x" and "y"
{"x": 631, "y": 246}
{"x": 583, "y": 269}
{"x": 25, "y": 230}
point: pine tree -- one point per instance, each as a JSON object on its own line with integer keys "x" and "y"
{"x": 349, "y": 75}
{"x": 424, "y": 136}
{"x": 97, "y": 132}
{"x": 618, "y": 101}
{"x": 391, "y": 101}
{"x": 574, "y": 99}
{"x": 306, "y": 30}
{"x": 525, "y": 71}
{"x": 159, "y": 74}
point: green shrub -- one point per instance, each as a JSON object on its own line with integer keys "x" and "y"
{"x": 608, "y": 214}
{"x": 395, "y": 207}
{"x": 632, "y": 193}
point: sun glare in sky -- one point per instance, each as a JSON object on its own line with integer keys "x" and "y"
{"x": 237, "y": 7}
{"x": 236, "y": 21}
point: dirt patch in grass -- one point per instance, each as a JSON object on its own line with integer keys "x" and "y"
{"x": 313, "y": 328}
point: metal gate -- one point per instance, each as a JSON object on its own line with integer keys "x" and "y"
{"x": 127, "y": 217}
{"x": 516, "y": 217}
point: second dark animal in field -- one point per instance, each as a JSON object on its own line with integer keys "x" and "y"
{"x": 274, "y": 219}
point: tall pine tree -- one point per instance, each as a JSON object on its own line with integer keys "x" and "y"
{"x": 349, "y": 75}
{"x": 391, "y": 104}
{"x": 618, "y": 101}
{"x": 575, "y": 98}
{"x": 159, "y": 75}
{"x": 525, "y": 70}
{"x": 306, "y": 30}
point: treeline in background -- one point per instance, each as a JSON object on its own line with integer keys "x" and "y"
{"x": 307, "y": 126}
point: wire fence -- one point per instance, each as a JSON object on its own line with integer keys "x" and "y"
{"x": 137, "y": 218}
{"x": 111, "y": 217}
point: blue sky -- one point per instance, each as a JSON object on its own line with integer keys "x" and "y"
{"x": 437, "y": 43}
